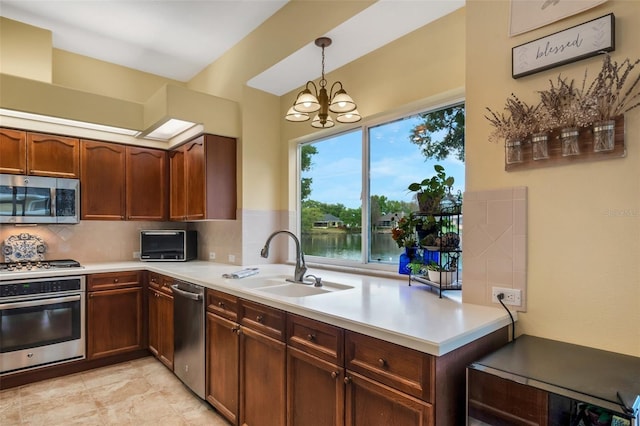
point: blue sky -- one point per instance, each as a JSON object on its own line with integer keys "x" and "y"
{"x": 395, "y": 163}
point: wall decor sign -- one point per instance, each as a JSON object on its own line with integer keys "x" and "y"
{"x": 582, "y": 41}
{"x": 527, "y": 15}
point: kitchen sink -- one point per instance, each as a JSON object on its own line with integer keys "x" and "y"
{"x": 302, "y": 290}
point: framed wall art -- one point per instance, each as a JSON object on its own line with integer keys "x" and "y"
{"x": 527, "y": 15}
{"x": 582, "y": 41}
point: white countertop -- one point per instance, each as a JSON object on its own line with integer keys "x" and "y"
{"x": 389, "y": 309}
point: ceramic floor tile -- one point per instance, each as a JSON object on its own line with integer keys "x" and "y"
{"x": 140, "y": 392}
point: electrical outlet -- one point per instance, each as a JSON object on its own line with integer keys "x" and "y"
{"x": 212, "y": 255}
{"x": 232, "y": 258}
{"x": 512, "y": 296}
{"x": 136, "y": 255}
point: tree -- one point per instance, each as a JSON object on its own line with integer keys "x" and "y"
{"x": 427, "y": 135}
{"x": 306, "y": 152}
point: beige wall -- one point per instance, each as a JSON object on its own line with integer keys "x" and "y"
{"x": 25, "y": 50}
{"x": 583, "y": 219}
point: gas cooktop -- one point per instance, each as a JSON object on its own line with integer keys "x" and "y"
{"x": 39, "y": 265}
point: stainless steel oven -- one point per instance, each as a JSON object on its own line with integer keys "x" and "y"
{"x": 41, "y": 322}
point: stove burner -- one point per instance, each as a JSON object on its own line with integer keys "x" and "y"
{"x": 40, "y": 264}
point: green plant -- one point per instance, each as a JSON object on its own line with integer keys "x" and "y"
{"x": 404, "y": 232}
{"x": 416, "y": 267}
{"x": 431, "y": 191}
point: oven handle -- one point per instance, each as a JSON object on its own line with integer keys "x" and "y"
{"x": 40, "y": 302}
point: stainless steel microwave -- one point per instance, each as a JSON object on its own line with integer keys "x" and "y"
{"x": 161, "y": 245}
{"x": 36, "y": 199}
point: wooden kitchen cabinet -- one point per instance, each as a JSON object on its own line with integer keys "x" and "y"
{"x": 315, "y": 359}
{"x": 147, "y": 184}
{"x": 246, "y": 359}
{"x": 13, "y": 151}
{"x": 387, "y": 383}
{"x": 203, "y": 179}
{"x": 114, "y": 314}
{"x": 39, "y": 154}
{"x": 160, "y": 316}
{"x": 102, "y": 181}
{"x": 122, "y": 182}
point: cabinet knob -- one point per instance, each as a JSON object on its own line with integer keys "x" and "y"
{"x": 221, "y": 304}
{"x": 153, "y": 280}
{"x": 335, "y": 374}
{"x": 235, "y": 330}
{"x": 347, "y": 380}
{"x": 382, "y": 362}
{"x": 260, "y": 319}
{"x": 115, "y": 280}
{"x": 311, "y": 337}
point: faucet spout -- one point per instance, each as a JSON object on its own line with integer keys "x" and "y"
{"x": 301, "y": 266}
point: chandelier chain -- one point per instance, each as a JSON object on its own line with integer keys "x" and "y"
{"x": 323, "y": 81}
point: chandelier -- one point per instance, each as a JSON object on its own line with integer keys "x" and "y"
{"x": 309, "y": 101}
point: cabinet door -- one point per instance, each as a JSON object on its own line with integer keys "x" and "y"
{"x": 369, "y": 403}
{"x": 223, "y": 366}
{"x": 114, "y": 322}
{"x": 315, "y": 391}
{"x": 13, "y": 152}
{"x": 146, "y": 184}
{"x": 102, "y": 181}
{"x": 54, "y": 156}
{"x": 195, "y": 179}
{"x": 165, "y": 329}
{"x": 177, "y": 187}
{"x": 221, "y": 187}
{"x": 496, "y": 401}
{"x": 262, "y": 379}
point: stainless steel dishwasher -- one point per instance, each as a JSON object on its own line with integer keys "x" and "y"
{"x": 188, "y": 327}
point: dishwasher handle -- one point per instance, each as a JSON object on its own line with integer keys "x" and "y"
{"x": 187, "y": 294}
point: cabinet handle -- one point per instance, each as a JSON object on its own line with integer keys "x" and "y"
{"x": 335, "y": 374}
{"x": 347, "y": 380}
{"x": 153, "y": 280}
{"x": 260, "y": 319}
{"x": 235, "y": 330}
{"x": 115, "y": 280}
{"x": 382, "y": 362}
{"x": 311, "y": 337}
{"x": 221, "y": 304}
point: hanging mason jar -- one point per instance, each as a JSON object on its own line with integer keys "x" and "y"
{"x": 513, "y": 151}
{"x": 569, "y": 141}
{"x": 604, "y": 136}
{"x": 540, "y": 146}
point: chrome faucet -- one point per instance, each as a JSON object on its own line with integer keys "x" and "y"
{"x": 301, "y": 266}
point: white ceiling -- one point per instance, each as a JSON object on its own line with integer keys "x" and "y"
{"x": 178, "y": 38}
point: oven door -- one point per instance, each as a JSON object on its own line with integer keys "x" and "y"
{"x": 41, "y": 331}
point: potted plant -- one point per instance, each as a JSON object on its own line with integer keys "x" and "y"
{"x": 442, "y": 274}
{"x": 404, "y": 235}
{"x": 431, "y": 191}
{"x": 416, "y": 267}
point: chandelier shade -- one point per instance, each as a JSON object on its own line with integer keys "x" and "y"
{"x": 315, "y": 98}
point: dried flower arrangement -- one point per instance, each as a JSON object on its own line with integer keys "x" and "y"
{"x": 519, "y": 122}
{"x": 612, "y": 93}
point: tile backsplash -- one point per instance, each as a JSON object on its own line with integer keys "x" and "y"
{"x": 495, "y": 243}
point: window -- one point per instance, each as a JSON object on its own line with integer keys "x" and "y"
{"x": 354, "y": 184}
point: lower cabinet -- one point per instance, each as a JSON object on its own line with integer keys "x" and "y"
{"x": 317, "y": 374}
{"x": 160, "y": 315}
{"x": 114, "y": 314}
{"x": 246, "y": 358}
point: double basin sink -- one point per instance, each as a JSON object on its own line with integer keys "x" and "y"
{"x": 279, "y": 286}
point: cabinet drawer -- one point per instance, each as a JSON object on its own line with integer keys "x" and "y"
{"x": 316, "y": 338}
{"x": 222, "y": 304}
{"x": 160, "y": 282}
{"x": 405, "y": 369}
{"x": 264, "y": 319}
{"x": 111, "y": 280}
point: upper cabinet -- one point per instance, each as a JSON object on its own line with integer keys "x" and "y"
{"x": 203, "y": 179}
{"x": 123, "y": 182}
{"x": 39, "y": 154}
{"x": 147, "y": 184}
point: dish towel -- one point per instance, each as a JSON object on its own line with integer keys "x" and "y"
{"x": 242, "y": 273}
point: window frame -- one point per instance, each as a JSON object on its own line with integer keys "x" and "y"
{"x": 428, "y": 105}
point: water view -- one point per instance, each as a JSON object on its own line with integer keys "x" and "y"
{"x": 348, "y": 246}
